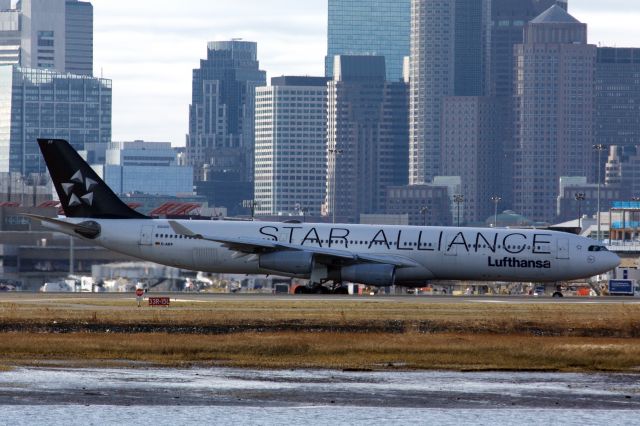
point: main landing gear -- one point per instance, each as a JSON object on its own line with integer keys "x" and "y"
{"x": 316, "y": 288}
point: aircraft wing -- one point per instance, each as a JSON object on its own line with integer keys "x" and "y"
{"x": 324, "y": 255}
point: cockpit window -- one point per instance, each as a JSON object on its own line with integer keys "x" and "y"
{"x": 597, "y": 248}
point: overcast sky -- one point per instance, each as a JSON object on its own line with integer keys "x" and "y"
{"x": 150, "y": 47}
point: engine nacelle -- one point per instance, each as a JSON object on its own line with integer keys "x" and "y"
{"x": 375, "y": 275}
{"x": 290, "y": 262}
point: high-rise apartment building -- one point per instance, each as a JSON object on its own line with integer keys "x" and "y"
{"x": 291, "y": 146}
{"x": 366, "y": 136}
{"x": 369, "y": 27}
{"x": 51, "y": 34}
{"x": 449, "y": 57}
{"x": 554, "y": 113}
{"x": 221, "y": 114}
{"x": 42, "y": 103}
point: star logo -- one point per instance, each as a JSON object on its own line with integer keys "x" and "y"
{"x": 85, "y": 184}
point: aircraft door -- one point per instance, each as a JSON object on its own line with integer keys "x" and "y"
{"x": 146, "y": 235}
{"x": 562, "y": 251}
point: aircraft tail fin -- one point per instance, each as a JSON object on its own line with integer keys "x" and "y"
{"x": 82, "y": 193}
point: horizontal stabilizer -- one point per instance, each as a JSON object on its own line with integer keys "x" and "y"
{"x": 87, "y": 229}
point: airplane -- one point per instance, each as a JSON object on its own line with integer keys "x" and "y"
{"x": 379, "y": 256}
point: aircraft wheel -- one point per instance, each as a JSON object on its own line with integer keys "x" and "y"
{"x": 301, "y": 290}
{"x": 341, "y": 290}
{"x": 321, "y": 290}
{"x": 557, "y": 294}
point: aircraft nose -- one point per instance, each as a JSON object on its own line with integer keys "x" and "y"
{"x": 612, "y": 261}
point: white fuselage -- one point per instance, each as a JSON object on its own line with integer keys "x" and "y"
{"x": 439, "y": 253}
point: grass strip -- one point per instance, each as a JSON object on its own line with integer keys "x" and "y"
{"x": 332, "y": 350}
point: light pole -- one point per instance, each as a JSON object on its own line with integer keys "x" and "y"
{"x": 334, "y": 152}
{"x": 495, "y": 200}
{"x": 599, "y": 147}
{"x": 457, "y": 198}
{"x": 579, "y": 196}
{"x": 635, "y": 222}
{"x": 423, "y": 211}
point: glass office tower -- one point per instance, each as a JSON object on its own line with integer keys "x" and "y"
{"x": 370, "y": 27}
{"x": 38, "y": 103}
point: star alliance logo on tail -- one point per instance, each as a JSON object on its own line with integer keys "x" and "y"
{"x": 87, "y": 184}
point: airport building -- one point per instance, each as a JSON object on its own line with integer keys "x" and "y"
{"x": 17, "y": 189}
{"x": 43, "y": 103}
{"x": 291, "y": 146}
{"x": 554, "y": 110}
{"x": 50, "y": 34}
{"x": 367, "y": 136}
{"x": 369, "y": 27}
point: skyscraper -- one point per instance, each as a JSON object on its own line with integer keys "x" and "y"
{"x": 472, "y": 134}
{"x": 291, "y": 146}
{"x": 555, "y": 103}
{"x": 508, "y": 18}
{"x": 221, "y": 114}
{"x": 449, "y": 49}
{"x": 43, "y": 103}
{"x": 618, "y": 97}
{"x": 79, "y": 37}
{"x": 369, "y": 27}
{"x": 367, "y": 136}
{"x": 51, "y": 34}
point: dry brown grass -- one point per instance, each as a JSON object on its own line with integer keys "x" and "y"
{"x": 324, "y": 334}
{"x": 606, "y": 320}
{"x": 331, "y": 350}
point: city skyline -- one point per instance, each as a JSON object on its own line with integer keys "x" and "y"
{"x": 152, "y": 75}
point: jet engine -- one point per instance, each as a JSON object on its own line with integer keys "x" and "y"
{"x": 373, "y": 274}
{"x": 291, "y": 262}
